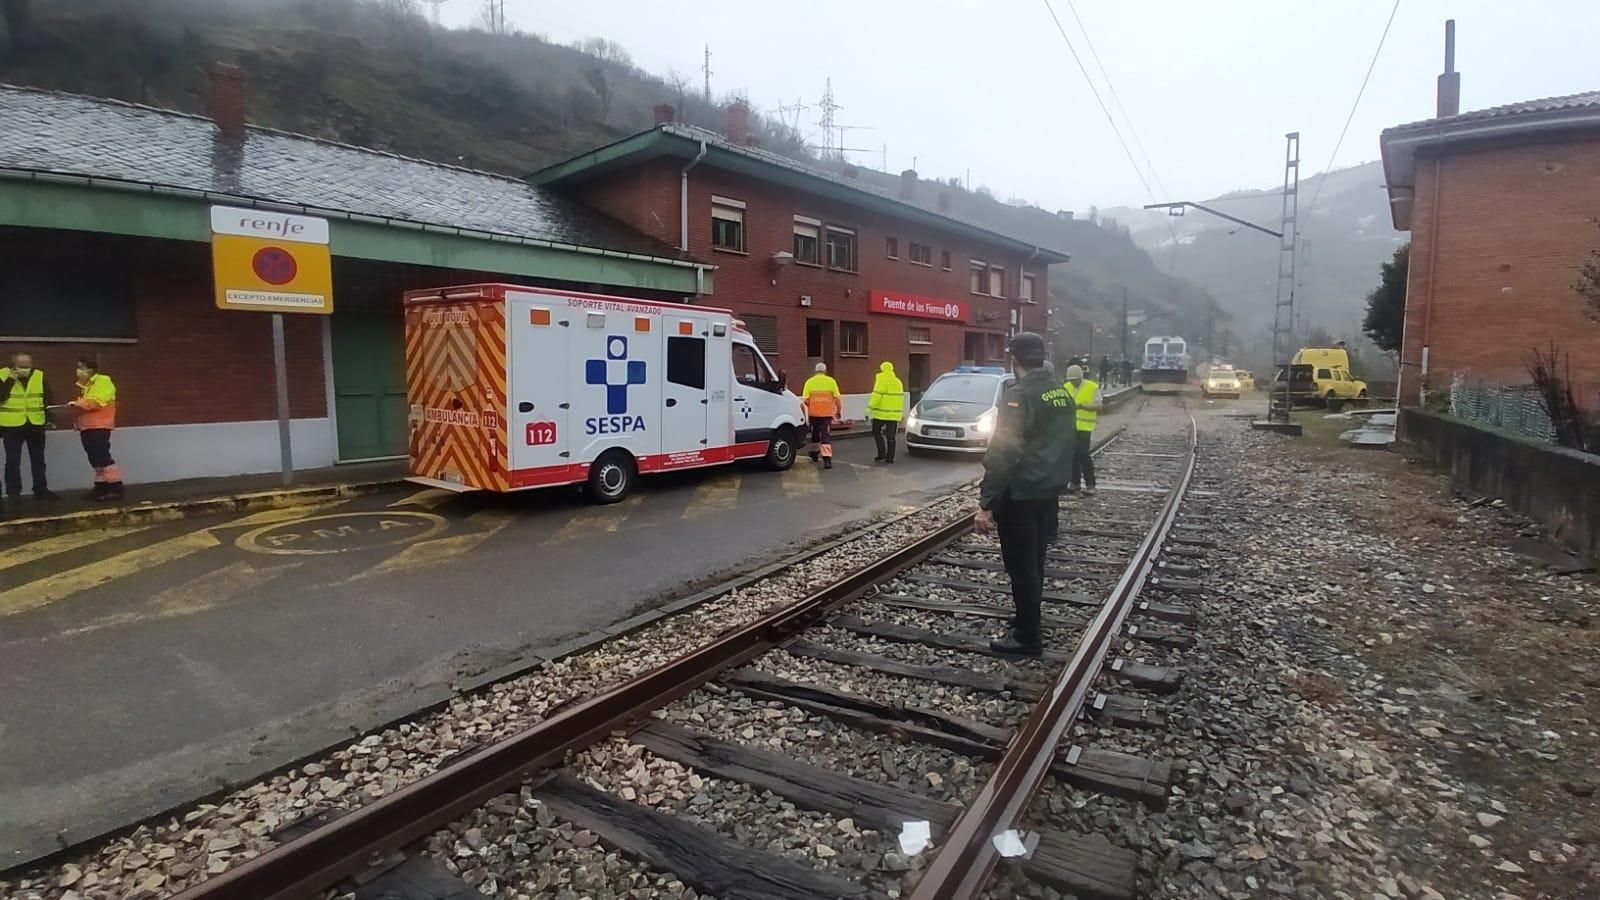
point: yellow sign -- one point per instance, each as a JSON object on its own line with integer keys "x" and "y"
{"x": 270, "y": 262}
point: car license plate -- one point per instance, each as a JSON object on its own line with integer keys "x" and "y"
{"x": 931, "y": 431}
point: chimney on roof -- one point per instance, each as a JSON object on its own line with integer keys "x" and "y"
{"x": 944, "y": 201}
{"x": 228, "y": 99}
{"x": 739, "y": 122}
{"x": 1450, "y": 81}
{"x": 908, "y": 184}
{"x": 665, "y": 113}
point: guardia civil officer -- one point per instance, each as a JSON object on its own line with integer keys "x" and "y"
{"x": 1025, "y": 471}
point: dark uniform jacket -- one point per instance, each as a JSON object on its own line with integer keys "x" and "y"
{"x": 1030, "y": 455}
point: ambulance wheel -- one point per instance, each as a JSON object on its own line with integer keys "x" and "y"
{"x": 611, "y": 477}
{"x": 781, "y": 451}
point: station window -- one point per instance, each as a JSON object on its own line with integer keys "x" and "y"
{"x": 727, "y": 224}
{"x": 1026, "y": 293}
{"x": 892, "y": 247}
{"x": 807, "y": 237}
{"x": 853, "y": 338}
{"x": 919, "y": 334}
{"x": 997, "y": 281}
{"x": 997, "y": 346}
{"x": 686, "y": 361}
{"x": 944, "y": 260}
{"x": 980, "y": 277}
{"x": 921, "y": 254}
{"x": 841, "y": 249}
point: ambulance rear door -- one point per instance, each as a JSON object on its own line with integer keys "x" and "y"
{"x": 538, "y": 410}
{"x": 684, "y": 394}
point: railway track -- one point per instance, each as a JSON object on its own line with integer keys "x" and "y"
{"x": 801, "y": 755}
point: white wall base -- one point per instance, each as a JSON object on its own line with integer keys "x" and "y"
{"x": 172, "y": 452}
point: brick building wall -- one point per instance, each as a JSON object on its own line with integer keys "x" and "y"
{"x": 188, "y": 362}
{"x": 1499, "y": 234}
{"x": 647, "y": 197}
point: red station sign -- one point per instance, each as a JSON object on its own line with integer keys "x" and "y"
{"x": 897, "y": 304}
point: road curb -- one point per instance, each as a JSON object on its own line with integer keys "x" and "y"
{"x": 172, "y": 510}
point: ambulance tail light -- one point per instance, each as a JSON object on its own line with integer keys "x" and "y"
{"x": 474, "y": 294}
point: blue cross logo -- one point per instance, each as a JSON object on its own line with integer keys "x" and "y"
{"x": 616, "y": 372}
{"x": 746, "y": 409}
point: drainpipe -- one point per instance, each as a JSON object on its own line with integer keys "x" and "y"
{"x": 683, "y": 200}
{"x": 1433, "y": 276}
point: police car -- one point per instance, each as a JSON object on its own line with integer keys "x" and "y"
{"x": 958, "y": 411}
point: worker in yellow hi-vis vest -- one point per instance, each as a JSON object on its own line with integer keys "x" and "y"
{"x": 885, "y": 408}
{"x": 23, "y": 398}
{"x": 1086, "y": 396}
{"x": 821, "y": 396}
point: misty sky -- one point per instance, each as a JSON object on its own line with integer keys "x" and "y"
{"x": 990, "y": 86}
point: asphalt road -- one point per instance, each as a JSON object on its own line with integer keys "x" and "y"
{"x": 143, "y": 667}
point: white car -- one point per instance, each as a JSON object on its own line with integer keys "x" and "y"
{"x": 957, "y": 413}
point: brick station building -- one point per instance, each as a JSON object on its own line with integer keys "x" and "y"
{"x": 1500, "y": 204}
{"x": 104, "y": 252}
{"x": 821, "y": 266}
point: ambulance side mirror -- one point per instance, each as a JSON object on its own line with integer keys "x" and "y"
{"x": 783, "y": 380}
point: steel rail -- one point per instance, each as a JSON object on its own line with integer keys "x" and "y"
{"x": 967, "y": 856}
{"x": 346, "y": 846}
{"x": 343, "y": 847}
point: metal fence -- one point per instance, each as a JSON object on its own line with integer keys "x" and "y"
{"x": 1516, "y": 408}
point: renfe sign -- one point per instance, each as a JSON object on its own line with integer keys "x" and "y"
{"x": 898, "y": 304}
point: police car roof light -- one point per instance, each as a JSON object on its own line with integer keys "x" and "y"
{"x": 981, "y": 370}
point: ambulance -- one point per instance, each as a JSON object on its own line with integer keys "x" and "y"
{"x": 513, "y": 387}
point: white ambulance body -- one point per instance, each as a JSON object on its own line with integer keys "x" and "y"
{"x": 512, "y": 388}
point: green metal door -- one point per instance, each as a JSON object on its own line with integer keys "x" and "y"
{"x": 369, "y": 383}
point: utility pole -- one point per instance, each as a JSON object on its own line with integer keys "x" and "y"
{"x": 705, "y": 68}
{"x": 828, "y": 108}
{"x": 1288, "y": 249}
{"x": 1124, "y": 323}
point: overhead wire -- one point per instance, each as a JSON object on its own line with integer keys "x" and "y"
{"x": 1115, "y": 100}
{"x": 1111, "y": 120}
{"x": 1323, "y": 179}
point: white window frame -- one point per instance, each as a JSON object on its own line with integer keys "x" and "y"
{"x": 926, "y": 333}
{"x": 1025, "y": 292}
{"x": 812, "y": 228}
{"x": 981, "y": 268}
{"x": 853, "y": 326}
{"x": 997, "y": 281}
{"x": 728, "y": 210}
{"x": 855, "y": 248}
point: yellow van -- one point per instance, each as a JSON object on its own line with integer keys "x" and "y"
{"x": 1322, "y": 374}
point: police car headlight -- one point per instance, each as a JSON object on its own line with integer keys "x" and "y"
{"x": 985, "y": 423}
{"x": 912, "y": 422}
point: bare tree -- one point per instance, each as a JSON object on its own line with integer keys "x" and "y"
{"x": 596, "y": 76}
{"x": 606, "y": 50}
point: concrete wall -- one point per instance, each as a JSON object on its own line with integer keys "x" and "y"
{"x": 1555, "y": 486}
{"x": 171, "y": 452}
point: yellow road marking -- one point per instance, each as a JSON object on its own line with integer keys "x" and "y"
{"x": 715, "y": 493}
{"x": 61, "y": 543}
{"x": 442, "y": 550}
{"x": 427, "y": 498}
{"x": 209, "y": 591}
{"x": 805, "y": 478}
{"x": 281, "y": 514}
{"x": 55, "y": 587}
{"x": 593, "y": 520}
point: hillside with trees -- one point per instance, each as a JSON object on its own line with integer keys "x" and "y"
{"x": 381, "y": 74}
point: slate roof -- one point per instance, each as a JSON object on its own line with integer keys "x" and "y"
{"x": 71, "y": 134}
{"x": 1588, "y": 99}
